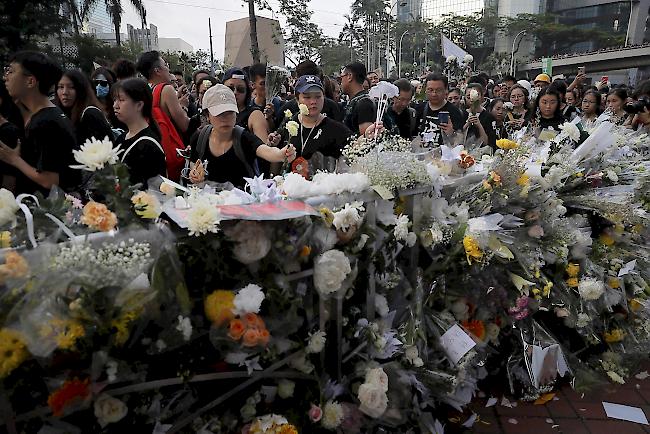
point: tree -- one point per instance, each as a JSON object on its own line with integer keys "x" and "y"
{"x": 252, "y": 20}
{"x": 24, "y": 23}
{"x": 334, "y": 55}
{"x": 303, "y": 38}
{"x": 115, "y": 10}
{"x": 553, "y": 36}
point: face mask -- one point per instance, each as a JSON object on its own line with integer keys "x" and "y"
{"x": 102, "y": 91}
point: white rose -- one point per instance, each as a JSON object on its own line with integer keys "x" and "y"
{"x": 468, "y": 58}
{"x": 333, "y": 415}
{"x": 109, "y": 410}
{"x": 95, "y": 154}
{"x": 381, "y": 305}
{"x": 304, "y": 110}
{"x": 473, "y": 95}
{"x": 373, "y": 400}
{"x": 378, "y": 377}
{"x": 286, "y": 388}
{"x": 451, "y": 58}
{"x": 251, "y": 241}
{"x": 590, "y": 288}
{"x": 330, "y": 270}
{"x": 401, "y": 230}
{"x": 316, "y": 342}
{"x": 248, "y": 300}
{"x": 184, "y": 326}
{"x": 8, "y": 206}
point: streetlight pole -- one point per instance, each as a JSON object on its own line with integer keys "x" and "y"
{"x": 399, "y": 55}
{"x": 512, "y": 53}
{"x": 629, "y": 22}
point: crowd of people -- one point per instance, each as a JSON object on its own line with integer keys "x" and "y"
{"x": 228, "y": 128}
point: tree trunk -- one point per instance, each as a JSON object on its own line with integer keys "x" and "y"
{"x": 75, "y": 16}
{"x": 252, "y": 19}
{"x": 116, "y": 23}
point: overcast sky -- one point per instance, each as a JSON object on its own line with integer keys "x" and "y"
{"x": 188, "y": 19}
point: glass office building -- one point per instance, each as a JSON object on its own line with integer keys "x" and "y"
{"x": 434, "y": 10}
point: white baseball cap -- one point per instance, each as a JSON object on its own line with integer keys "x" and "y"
{"x": 219, "y": 99}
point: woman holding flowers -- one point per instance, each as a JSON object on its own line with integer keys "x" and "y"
{"x": 517, "y": 115}
{"x": 143, "y": 153}
{"x": 590, "y": 109}
{"x": 223, "y": 150}
{"x": 316, "y": 132}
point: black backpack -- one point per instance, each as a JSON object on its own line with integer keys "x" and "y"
{"x": 202, "y": 145}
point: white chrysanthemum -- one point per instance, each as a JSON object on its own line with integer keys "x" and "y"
{"x": 468, "y": 58}
{"x": 203, "y": 218}
{"x": 451, "y": 59}
{"x": 401, "y": 231}
{"x": 316, "y": 342}
{"x": 292, "y": 128}
{"x": 590, "y": 288}
{"x": 571, "y": 131}
{"x": 248, "y": 300}
{"x": 349, "y": 216}
{"x": 251, "y": 241}
{"x": 583, "y": 320}
{"x": 381, "y": 305}
{"x": 8, "y": 206}
{"x": 330, "y": 270}
{"x": 95, "y": 154}
{"x": 333, "y": 415}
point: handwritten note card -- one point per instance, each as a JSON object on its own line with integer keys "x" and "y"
{"x": 456, "y": 343}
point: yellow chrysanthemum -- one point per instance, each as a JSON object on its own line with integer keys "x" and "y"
{"x": 146, "y": 205}
{"x": 327, "y": 215}
{"x": 616, "y": 335}
{"x": 219, "y": 305}
{"x": 572, "y": 282}
{"x": 287, "y": 429}
{"x": 15, "y": 266}
{"x": 523, "y": 180}
{"x": 487, "y": 185}
{"x": 572, "y": 270}
{"x": 5, "y": 239}
{"x": 614, "y": 283}
{"x": 507, "y": 144}
{"x": 13, "y": 351}
{"x": 635, "y": 305}
{"x": 472, "y": 249}
{"x": 121, "y": 326}
{"x": 607, "y": 239}
{"x": 65, "y": 331}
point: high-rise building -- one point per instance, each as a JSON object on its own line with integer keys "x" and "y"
{"x": 146, "y": 38}
{"x": 434, "y": 10}
{"x": 238, "y": 42}
{"x": 98, "y": 20}
{"x": 174, "y": 44}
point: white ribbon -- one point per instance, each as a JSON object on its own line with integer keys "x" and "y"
{"x": 29, "y": 219}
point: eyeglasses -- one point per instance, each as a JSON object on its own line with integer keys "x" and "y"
{"x": 102, "y": 83}
{"x": 238, "y": 89}
{"x": 436, "y": 91}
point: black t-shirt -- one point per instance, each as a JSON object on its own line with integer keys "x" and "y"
{"x": 328, "y": 138}
{"x": 228, "y": 167}
{"x": 569, "y": 112}
{"x": 360, "y": 109}
{"x": 9, "y": 135}
{"x": 404, "y": 123}
{"x": 330, "y": 108}
{"x": 553, "y": 123}
{"x": 428, "y": 123}
{"x": 48, "y": 144}
{"x": 486, "y": 119}
{"x": 145, "y": 160}
{"x": 93, "y": 123}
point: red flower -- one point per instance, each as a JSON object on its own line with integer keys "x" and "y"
{"x": 72, "y": 391}
{"x": 301, "y": 167}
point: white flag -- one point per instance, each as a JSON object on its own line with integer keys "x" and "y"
{"x": 451, "y": 49}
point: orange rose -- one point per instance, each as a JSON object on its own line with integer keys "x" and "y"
{"x": 236, "y": 330}
{"x": 254, "y": 321}
{"x": 264, "y": 337}
{"x": 251, "y": 338}
{"x": 218, "y": 307}
{"x": 475, "y": 327}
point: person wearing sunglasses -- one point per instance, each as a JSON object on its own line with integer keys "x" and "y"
{"x": 102, "y": 79}
{"x": 44, "y": 157}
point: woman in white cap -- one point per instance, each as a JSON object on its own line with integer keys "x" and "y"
{"x": 228, "y": 149}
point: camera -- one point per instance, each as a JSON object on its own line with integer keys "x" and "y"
{"x": 638, "y": 106}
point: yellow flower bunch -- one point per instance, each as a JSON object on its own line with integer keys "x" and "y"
{"x": 613, "y": 336}
{"x": 507, "y": 144}
{"x": 523, "y": 180}
{"x": 121, "y": 326}
{"x": 494, "y": 180}
{"x": 606, "y": 239}
{"x": 13, "y": 351}
{"x": 472, "y": 249}
{"x": 219, "y": 305}
{"x": 15, "y": 267}
{"x": 146, "y": 205}
{"x": 572, "y": 270}
{"x": 327, "y": 215}
{"x": 5, "y": 239}
{"x": 614, "y": 283}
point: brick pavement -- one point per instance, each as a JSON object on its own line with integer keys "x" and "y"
{"x": 567, "y": 413}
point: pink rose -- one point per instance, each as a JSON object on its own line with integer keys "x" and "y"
{"x": 315, "y": 413}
